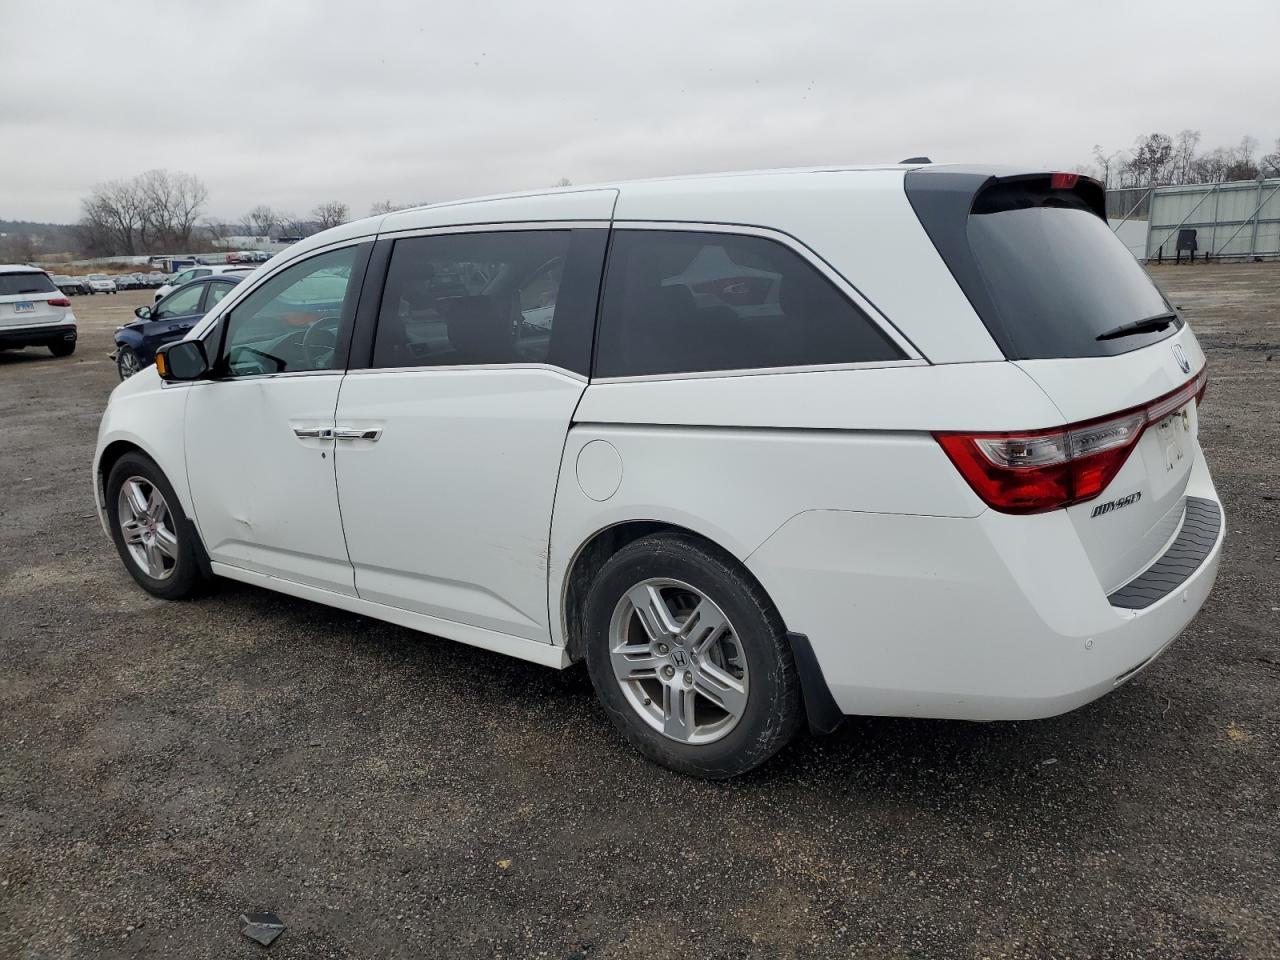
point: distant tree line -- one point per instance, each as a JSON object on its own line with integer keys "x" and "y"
{"x": 163, "y": 211}
{"x": 1158, "y": 159}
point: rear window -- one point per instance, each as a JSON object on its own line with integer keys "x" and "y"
{"x": 16, "y": 284}
{"x": 1042, "y": 269}
{"x": 684, "y": 302}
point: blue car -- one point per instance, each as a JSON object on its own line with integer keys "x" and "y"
{"x": 168, "y": 320}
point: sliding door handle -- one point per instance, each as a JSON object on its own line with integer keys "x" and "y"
{"x": 313, "y": 433}
{"x": 358, "y": 433}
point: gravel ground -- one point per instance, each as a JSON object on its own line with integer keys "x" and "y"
{"x": 168, "y": 766}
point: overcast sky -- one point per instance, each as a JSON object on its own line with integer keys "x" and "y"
{"x": 292, "y": 103}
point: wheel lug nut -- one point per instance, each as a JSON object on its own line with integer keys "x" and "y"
{"x": 668, "y": 671}
{"x": 663, "y": 648}
{"x": 688, "y": 678}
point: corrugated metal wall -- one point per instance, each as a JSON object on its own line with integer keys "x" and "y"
{"x": 1238, "y": 219}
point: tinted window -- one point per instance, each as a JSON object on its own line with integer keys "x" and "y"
{"x": 1060, "y": 278}
{"x": 16, "y": 284}
{"x": 181, "y": 303}
{"x": 1040, "y": 265}
{"x": 512, "y": 297}
{"x": 216, "y": 292}
{"x": 677, "y": 302}
{"x": 292, "y": 321}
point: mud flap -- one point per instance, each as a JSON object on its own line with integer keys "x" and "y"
{"x": 820, "y": 707}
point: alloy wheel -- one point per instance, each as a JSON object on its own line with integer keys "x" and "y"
{"x": 146, "y": 524}
{"x": 678, "y": 661}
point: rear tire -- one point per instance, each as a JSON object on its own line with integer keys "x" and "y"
{"x": 63, "y": 348}
{"x": 153, "y": 537}
{"x": 705, "y": 683}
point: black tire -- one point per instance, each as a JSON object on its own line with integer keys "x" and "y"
{"x": 774, "y": 707}
{"x": 62, "y": 348}
{"x": 125, "y": 356}
{"x": 186, "y": 577}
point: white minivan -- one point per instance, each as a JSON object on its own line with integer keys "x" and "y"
{"x": 763, "y": 449}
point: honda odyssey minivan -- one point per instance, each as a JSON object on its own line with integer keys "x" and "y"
{"x": 763, "y": 449}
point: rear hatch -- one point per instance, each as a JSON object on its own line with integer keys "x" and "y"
{"x": 24, "y": 299}
{"x": 1068, "y": 304}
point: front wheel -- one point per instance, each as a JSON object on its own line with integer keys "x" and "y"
{"x": 127, "y": 362}
{"x": 690, "y": 659}
{"x": 150, "y": 530}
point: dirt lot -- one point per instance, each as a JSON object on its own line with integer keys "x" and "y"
{"x": 167, "y": 766}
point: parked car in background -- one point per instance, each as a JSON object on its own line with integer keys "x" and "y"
{"x": 757, "y": 468}
{"x": 196, "y": 272}
{"x": 71, "y": 286}
{"x": 168, "y": 320}
{"x": 125, "y": 281}
{"x": 101, "y": 283}
{"x": 34, "y": 312}
{"x": 88, "y": 287}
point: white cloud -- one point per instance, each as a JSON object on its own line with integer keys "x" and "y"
{"x": 294, "y": 103}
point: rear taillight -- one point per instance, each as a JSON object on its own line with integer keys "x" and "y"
{"x": 1038, "y": 470}
{"x": 58, "y": 302}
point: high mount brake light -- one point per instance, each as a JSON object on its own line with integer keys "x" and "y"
{"x": 1035, "y": 471}
{"x": 1063, "y": 181}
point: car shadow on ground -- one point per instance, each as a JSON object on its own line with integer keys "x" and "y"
{"x": 925, "y": 765}
{"x": 29, "y": 355}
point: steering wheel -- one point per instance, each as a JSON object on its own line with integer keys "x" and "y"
{"x": 320, "y": 342}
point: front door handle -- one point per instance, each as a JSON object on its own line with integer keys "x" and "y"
{"x": 358, "y": 433}
{"x": 313, "y": 433}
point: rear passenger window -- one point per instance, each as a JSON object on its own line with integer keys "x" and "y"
{"x": 512, "y": 297}
{"x": 683, "y": 302}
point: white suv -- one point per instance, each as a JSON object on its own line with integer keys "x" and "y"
{"x": 34, "y": 312}
{"x": 761, "y": 448}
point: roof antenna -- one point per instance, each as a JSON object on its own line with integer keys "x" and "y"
{"x": 916, "y": 160}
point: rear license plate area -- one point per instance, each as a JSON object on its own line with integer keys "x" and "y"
{"x": 1173, "y": 432}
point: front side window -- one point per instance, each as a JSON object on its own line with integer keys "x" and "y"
{"x": 682, "y": 302}
{"x": 291, "y": 323}
{"x": 183, "y": 303}
{"x": 475, "y": 298}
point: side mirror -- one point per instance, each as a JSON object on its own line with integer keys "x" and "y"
{"x": 184, "y": 360}
{"x": 142, "y": 313}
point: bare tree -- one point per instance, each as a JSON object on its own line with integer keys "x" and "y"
{"x": 262, "y": 220}
{"x": 112, "y": 218}
{"x": 18, "y": 248}
{"x": 1269, "y": 165}
{"x": 291, "y": 226}
{"x": 563, "y": 182}
{"x": 330, "y": 214}
{"x": 386, "y": 206}
{"x": 172, "y": 204}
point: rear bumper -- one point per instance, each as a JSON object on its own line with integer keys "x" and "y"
{"x": 989, "y": 618}
{"x": 37, "y": 336}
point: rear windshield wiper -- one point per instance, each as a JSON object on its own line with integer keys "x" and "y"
{"x": 1147, "y": 325}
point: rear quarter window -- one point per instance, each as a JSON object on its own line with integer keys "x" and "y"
{"x": 686, "y": 301}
